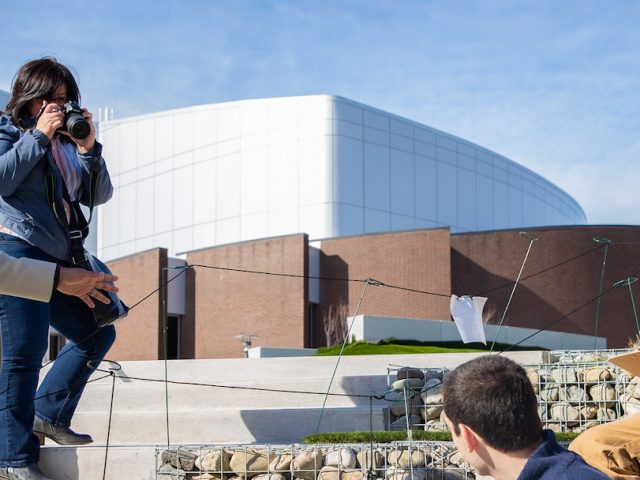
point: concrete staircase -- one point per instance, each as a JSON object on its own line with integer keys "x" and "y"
{"x": 212, "y": 415}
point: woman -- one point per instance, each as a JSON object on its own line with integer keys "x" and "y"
{"x": 34, "y": 223}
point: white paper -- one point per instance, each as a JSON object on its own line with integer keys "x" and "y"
{"x": 467, "y": 314}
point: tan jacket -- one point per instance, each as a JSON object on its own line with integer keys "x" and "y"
{"x": 26, "y": 277}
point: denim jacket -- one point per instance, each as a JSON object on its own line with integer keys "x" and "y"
{"x": 25, "y": 159}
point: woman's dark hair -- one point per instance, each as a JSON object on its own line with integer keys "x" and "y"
{"x": 39, "y": 79}
{"x": 493, "y": 396}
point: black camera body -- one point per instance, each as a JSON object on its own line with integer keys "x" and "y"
{"x": 74, "y": 122}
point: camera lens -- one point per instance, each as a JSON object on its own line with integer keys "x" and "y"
{"x": 78, "y": 126}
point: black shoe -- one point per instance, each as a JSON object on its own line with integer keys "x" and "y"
{"x": 30, "y": 472}
{"x": 60, "y": 435}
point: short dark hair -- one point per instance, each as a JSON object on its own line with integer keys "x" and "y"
{"x": 39, "y": 79}
{"x": 493, "y": 396}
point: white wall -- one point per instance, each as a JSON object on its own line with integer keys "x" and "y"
{"x": 395, "y": 174}
{"x": 323, "y": 165}
{"x": 372, "y": 329}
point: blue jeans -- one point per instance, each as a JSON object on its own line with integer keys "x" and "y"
{"x": 25, "y": 333}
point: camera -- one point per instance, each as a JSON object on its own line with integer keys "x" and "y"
{"x": 74, "y": 122}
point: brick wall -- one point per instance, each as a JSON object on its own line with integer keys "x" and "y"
{"x": 418, "y": 260}
{"x": 228, "y": 303}
{"x": 139, "y": 334}
{"x": 484, "y": 261}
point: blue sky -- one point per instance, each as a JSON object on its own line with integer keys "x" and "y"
{"x": 554, "y": 85}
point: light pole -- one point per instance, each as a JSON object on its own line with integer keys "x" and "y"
{"x": 606, "y": 242}
{"x": 628, "y": 282}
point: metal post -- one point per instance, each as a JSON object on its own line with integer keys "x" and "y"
{"x": 628, "y": 282}
{"x": 606, "y": 242}
{"x": 532, "y": 238}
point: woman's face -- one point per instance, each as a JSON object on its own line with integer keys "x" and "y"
{"x": 59, "y": 97}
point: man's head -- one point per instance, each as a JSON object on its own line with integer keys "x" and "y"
{"x": 491, "y": 399}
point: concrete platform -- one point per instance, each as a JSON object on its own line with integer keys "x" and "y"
{"x": 216, "y": 415}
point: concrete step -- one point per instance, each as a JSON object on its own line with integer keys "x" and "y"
{"x": 138, "y": 394}
{"x": 213, "y": 426}
{"x": 87, "y": 462}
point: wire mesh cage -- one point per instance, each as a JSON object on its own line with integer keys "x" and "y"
{"x": 579, "y": 389}
{"x": 415, "y": 399}
{"x": 392, "y": 461}
{"x": 576, "y": 389}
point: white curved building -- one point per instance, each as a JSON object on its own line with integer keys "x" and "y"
{"x": 324, "y": 165}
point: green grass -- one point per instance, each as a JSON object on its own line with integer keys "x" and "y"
{"x": 399, "y": 436}
{"x": 393, "y": 346}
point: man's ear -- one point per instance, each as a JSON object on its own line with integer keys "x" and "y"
{"x": 469, "y": 437}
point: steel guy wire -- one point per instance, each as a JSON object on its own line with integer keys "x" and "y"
{"x": 547, "y": 326}
{"x": 344, "y": 343}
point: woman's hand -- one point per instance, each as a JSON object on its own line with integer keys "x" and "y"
{"x": 50, "y": 120}
{"x": 86, "y": 144}
{"x": 83, "y": 284}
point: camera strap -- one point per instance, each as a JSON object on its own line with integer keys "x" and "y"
{"x": 78, "y": 226}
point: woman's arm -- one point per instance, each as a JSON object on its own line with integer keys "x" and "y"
{"x": 34, "y": 279}
{"x": 18, "y": 155}
{"x": 93, "y": 161}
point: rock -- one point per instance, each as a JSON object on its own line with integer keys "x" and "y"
{"x": 270, "y": 476}
{"x": 397, "y": 403}
{"x": 633, "y": 387}
{"x": 281, "y": 462}
{"x": 432, "y": 392}
{"x": 588, "y": 412}
{"x": 431, "y": 412}
{"x": 407, "y": 372}
{"x": 213, "y": 461}
{"x": 251, "y": 461}
{"x": 408, "y": 383}
{"x": 364, "y": 458}
{"x": 182, "y": 459}
{"x": 333, "y": 473}
{"x": 554, "y": 427}
{"x": 439, "y": 474}
{"x": 401, "y": 422}
{"x": 542, "y": 412}
{"x": 399, "y": 457}
{"x": 573, "y": 394}
{"x": 435, "y": 426}
{"x": 354, "y": 475}
{"x": 590, "y": 358}
{"x": 534, "y": 378}
{"x": 630, "y": 405}
{"x": 595, "y": 374}
{"x": 604, "y": 394}
{"x": 330, "y": 473}
{"x": 432, "y": 373}
{"x": 394, "y": 473}
{"x": 306, "y": 464}
{"x": 344, "y": 458}
{"x": 606, "y": 415}
{"x": 205, "y": 476}
{"x": 564, "y": 375}
{"x": 565, "y": 412}
{"x": 550, "y": 393}
{"x": 458, "y": 460}
{"x": 169, "y": 472}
